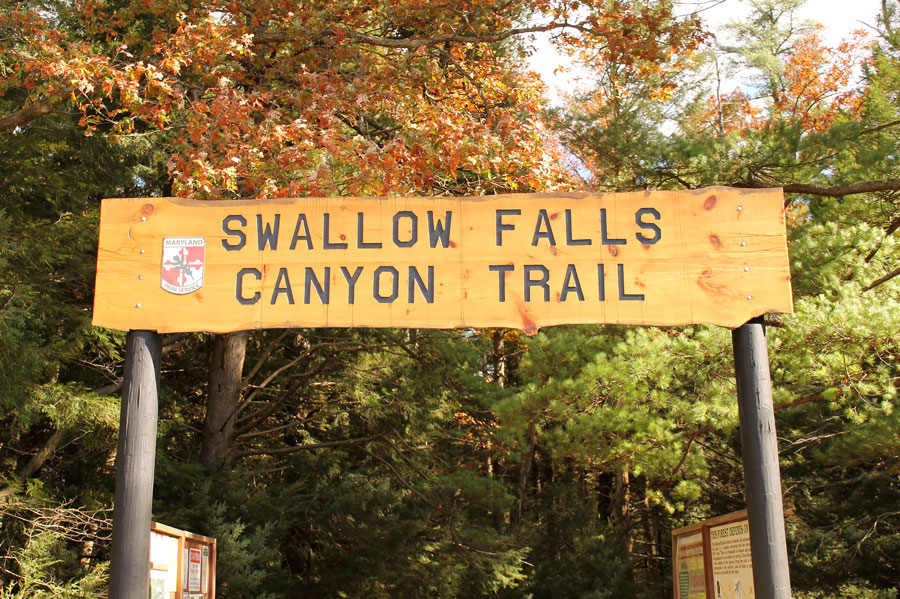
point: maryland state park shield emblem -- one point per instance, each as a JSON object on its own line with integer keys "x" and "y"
{"x": 182, "y": 264}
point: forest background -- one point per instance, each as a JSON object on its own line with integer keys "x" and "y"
{"x": 476, "y": 463}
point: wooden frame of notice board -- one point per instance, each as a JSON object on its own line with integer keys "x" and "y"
{"x": 182, "y": 564}
{"x": 714, "y": 553}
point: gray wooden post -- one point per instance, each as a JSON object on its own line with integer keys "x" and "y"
{"x": 129, "y": 576}
{"x": 768, "y": 546}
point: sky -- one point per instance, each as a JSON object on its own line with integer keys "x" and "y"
{"x": 839, "y": 17}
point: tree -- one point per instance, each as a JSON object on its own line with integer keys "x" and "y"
{"x": 343, "y": 98}
{"x": 806, "y": 126}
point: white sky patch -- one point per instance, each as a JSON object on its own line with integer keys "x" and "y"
{"x": 557, "y": 70}
{"x": 839, "y": 17}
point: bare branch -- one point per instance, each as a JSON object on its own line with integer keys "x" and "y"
{"x": 188, "y": 426}
{"x": 879, "y": 127}
{"x": 468, "y": 77}
{"x": 413, "y": 43}
{"x": 251, "y": 420}
{"x": 13, "y": 120}
{"x": 684, "y": 455}
{"x": 831, "y": 191}
{"x": 287, "y": 450}
{"x": 109, "y": 389}
{"x": 71, "y": 523}
{"x": 269, "y": 431}
{"x": 265, "y": 356}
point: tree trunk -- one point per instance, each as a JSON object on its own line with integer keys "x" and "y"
{"x": 651, "y": 552}
{"x": 525, "y": 468}
{"x": 498, "y": 347}
{"x": 226, "y": 367}
{"x": 498, "y": 364}
{"x": 621, "y": 509}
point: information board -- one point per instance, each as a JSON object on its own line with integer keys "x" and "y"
{"x": 182, "y": 564}
{"x": 712, "y": 560}
{"x": 690, "y": 569}
{"x": 732, "y": 566}
{"x": 164, "y": 552}
{"x": 716, "y": 256}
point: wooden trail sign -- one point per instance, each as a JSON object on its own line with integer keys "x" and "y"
{"x": 716, "y": 255}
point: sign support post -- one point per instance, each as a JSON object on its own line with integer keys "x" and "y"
{"x": 768, "y": 546}
{"x": 135, "y": 462}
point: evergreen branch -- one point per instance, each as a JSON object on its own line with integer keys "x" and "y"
{"x": 35, "y": 463}
{"x": 403, "y": 481}
{"x": 883, "y": 279}
{"x": 706, "y": 429}
{"x": 415, "y": 468}
{"x": 895, "y": 224}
